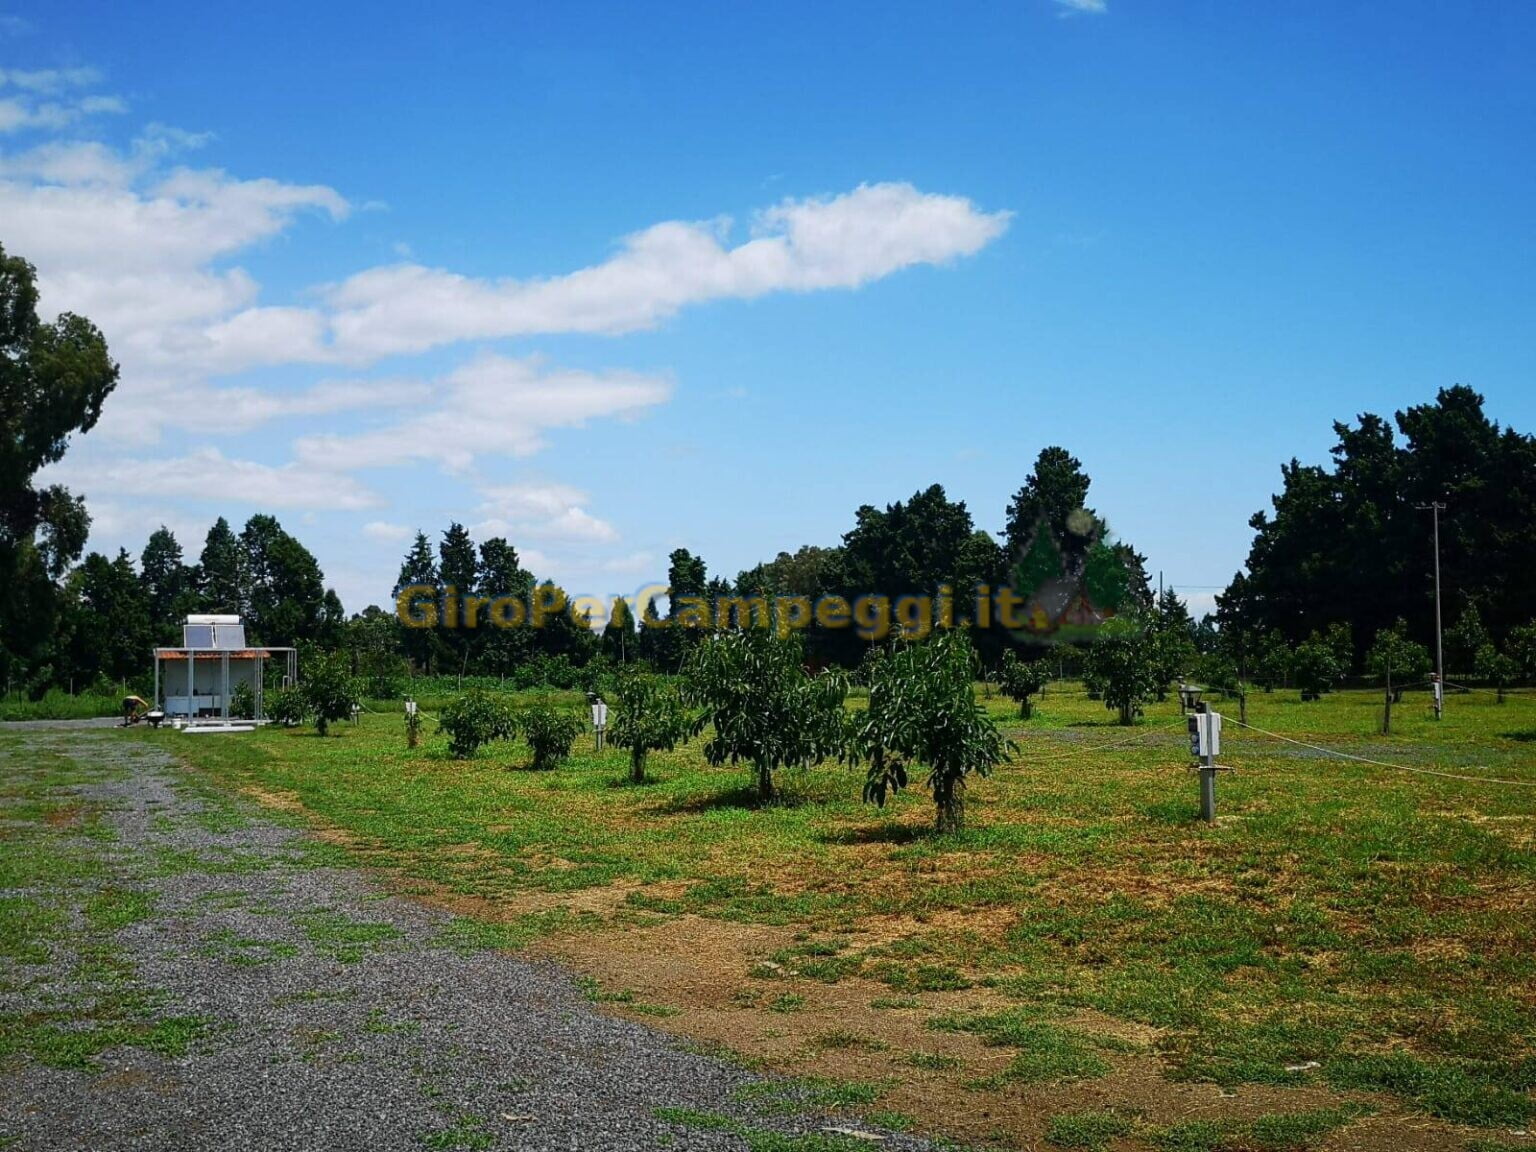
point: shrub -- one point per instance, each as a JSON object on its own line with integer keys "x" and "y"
{"x": 285, "y": 706}
{"x": 242, "y": 702}
{"x": 1316, "y": 667}
{"x": 330, "y": 691}
{"x": 1123, "y": 663}
{"x": 649, "y": 715}
{"x": 923, "y": 710}
{"x": 550, "y": 732}
{"x": 1021, "y": 679}
{"x": 474, "y": 718}
{"x": 765, "y": 708}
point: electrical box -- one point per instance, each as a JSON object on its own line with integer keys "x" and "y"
{"x": 599, "y": 716}
{"x": 1205, "y": 735}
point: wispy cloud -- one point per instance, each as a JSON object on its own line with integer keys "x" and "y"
{"x": 1083, "y": 7}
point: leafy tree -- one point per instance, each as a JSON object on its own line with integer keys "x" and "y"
{"x": 766, "y": 709}
{"x": 329, "y": 690}
{"x": 474, "y": 718}
{"x": 1494, "y": 667}
{"x": 285, "y": 706}
{"x": 550, "y": 733}
{"x": 459, "y": 569}
{"x": 923, "y": 710}
{"x": 1316, "y": 667}
{"x": 167, "y": 584}
{"x": 106, "y": 630}
{"x": 1056, "y": 496}
{"x": 1124, "y": 662}
{"x": 54, "y": 378}
{"x": 502, "y": 574}
{"x": 285, "y": 590}
{"x": 910, "y": 547}
{"x": 1521, "y": 648}
{"x": 221, "y": 574}
{"x": 1396, "y": 661}
{"x": 372, "y": 640}
{"x": 649, "y": 715}
{"x": 1350, "y": 542}
{"x": 1272, "y": 660}
{"x": 618, "y": 641}
{"x": 1021, "y": 679}
{"x": 1464, "y": 640}
{"x": 419, "y": 569}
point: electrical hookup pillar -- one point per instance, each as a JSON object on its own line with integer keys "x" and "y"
{"x": 1439, "y": 689}
{"x": 599, "y": 719}
{"x": 1204, "y": 745}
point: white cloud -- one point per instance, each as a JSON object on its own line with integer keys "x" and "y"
{"x": 40, "y": 100}
{"x": 208, "y": 476}
{"x": 1083, "y": 7}
{"x": 383, "y": 530}
{"x": 556, "y": 511}
{"x": 797, "y": 246}
{"x": 48, "y": 79}
{"x": 494, "y": 405}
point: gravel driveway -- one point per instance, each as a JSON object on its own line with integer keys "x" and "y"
{"x": 264, "y": 996}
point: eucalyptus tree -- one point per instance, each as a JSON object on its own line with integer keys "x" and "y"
{"x": 923, "y": 711}
{"x": 766, "y": 709}
{"x": 649, "y": 715}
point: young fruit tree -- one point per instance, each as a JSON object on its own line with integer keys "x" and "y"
{"x": 550, "y": 733}
{"x": 474, "y": 718}
{"x": 767, "y": 710}
{"x": 1021, "y": 679}
{"x": 649, "y": 715}
{"x": 1397, "y": 662}
{"x": 923, "y": 710}
{"x": 285, "y": 706}
{"x": 1316, "y": 667}
{"x": 329, "y": 689}
{"x": 1123, "y": 662}
{"x": 1494, "y": 667}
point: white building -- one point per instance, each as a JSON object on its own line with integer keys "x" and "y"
{"x": 196, "y": 680}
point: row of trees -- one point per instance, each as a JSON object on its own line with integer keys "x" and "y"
{"x": 764, "y": 708}
{"x": 1352, "y": 545}
{"x": 108, "y": 612}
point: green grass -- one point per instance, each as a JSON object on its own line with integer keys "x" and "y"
{"x": 1335, "y": 911}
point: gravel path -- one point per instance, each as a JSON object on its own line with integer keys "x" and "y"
{"x": 317, "y": 1011}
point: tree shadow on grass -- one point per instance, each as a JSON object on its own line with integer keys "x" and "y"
{"x": 1526, "y": 737}
{"x": 743, "y": 796}
{"x": 877, "y": 834}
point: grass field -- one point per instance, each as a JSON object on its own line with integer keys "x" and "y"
{"x": 1086, "y": 963}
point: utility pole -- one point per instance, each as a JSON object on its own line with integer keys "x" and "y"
{"x": 1435, "y": 507}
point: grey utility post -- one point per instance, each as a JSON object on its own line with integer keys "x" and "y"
{"x": 1204, "y": 743}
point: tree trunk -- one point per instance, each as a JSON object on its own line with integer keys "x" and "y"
{"x": 637, "y": 765}
{"x": 1242, "y": 707}
{"x": 1025, "y": 709}
{"x": 1386, "y": 726}
{"x": 1501, "y": 693}
{"x": 764, "y": 783}
{"x": 1128, "y": 713}
{"x": 322, "y": 725}
{"x": 949, "y": 802}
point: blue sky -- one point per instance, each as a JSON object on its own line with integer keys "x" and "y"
{"x": 367, "y": 268}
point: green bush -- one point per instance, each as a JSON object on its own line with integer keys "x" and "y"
{"x": 330, "y": 691}
{"x": 285, "y": 706}
{"x": 1021, "y": 679}
{"x": 474, "y": 718}
{"x": 550, "y": 732}
{"x": 242, "y": 702}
